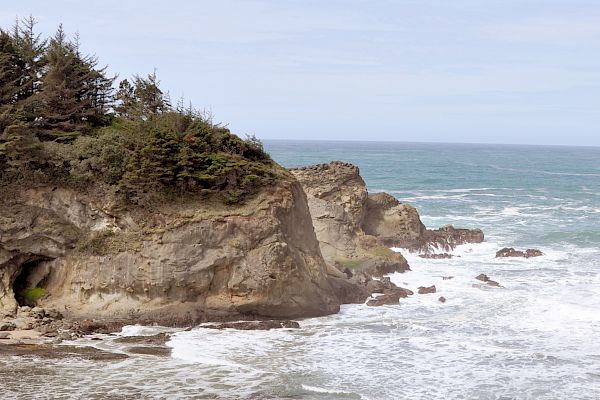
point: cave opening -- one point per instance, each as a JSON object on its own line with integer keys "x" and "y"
{"x": 29, "y": 282}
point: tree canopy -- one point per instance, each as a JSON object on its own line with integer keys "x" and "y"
{"x": 62, "y": 120}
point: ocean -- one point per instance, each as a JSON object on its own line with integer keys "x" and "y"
{"x": 536, "y": 337}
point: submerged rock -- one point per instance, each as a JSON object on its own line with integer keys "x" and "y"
{"x": 150, "y": 350}
{"x": 253, "y": 325}
{"x": 436, "y": 256}
{"x": 59, "y": 352}
{"x": 442, "y": 299}
{"x": 158, "y": 339}
{"x": 511, "y": 252}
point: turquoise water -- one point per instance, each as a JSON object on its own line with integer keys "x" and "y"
{"x": 537, "y": 337}
{"x": 531, "y": 195}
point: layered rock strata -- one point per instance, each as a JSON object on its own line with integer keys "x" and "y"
{"x": 179, "y": 264}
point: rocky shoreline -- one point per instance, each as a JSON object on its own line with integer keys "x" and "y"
{"x": 299, "y": 250}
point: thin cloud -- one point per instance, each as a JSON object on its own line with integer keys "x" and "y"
{"x": 550, "y": 31}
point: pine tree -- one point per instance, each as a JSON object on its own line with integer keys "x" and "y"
{"x": 96, "y": 86}
{"x": 142, "y": 99}
{"x": 151, "y": 99}
{"x": 11, "y": 67}
{"x": 125, "y": 101}
{"x": 75, "y": 95}
{"x": 31, "y": 49}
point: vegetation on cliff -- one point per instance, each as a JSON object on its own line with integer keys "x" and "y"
{"x": 63, "y": 121}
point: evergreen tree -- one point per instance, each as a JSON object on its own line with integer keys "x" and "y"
{"x": 75, "y": 95}
{"x": 150, "y": 98}
{"x": 142, "y": 99}
{"x": 11, "y": 67}
{"x": 31, "y": 50}
{"x": 125, "y": 100}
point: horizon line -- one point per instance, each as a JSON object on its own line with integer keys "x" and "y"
{"x": 415, "y": 142}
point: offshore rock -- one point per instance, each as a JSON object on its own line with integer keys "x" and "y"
{"x": 486, "y": 279}
{"x": 426, "y": 290}
{"x": 511, "y": 252}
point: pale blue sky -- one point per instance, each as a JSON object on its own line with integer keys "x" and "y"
{"x": 495, "y": 71}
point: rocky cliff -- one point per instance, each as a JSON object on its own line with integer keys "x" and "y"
{"x": 91, "y": 257}
{"x": 344, "y": 214}
{"x": 192, "y": 260}
{"x": 338, "y": 198}
{"x": 356, "y": 229}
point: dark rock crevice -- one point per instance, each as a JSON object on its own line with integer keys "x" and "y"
{"x": 29, "y": 280}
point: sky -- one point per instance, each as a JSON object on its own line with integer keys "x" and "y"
{"x": 474, "y": 71}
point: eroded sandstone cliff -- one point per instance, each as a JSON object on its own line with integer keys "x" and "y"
{"x": 344, "y": 214}
{"x": 338, "y": 198}
{"x": 181, "y": 263}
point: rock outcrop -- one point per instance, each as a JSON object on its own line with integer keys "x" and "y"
{"x": 338, "y": 202}
{"x": 511, "y": 252}
{"x": 345, "y": 215}
{"x": 399, "y": 225}
{"x": 181, "y": 263}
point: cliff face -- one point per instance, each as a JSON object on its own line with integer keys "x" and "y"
{"x": 338, "y": 199}
{"x": 354, "y": 225}
{"x": 180, "y": 264}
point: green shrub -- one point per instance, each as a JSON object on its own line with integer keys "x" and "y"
{"x": 32, "y": 295}
{"x": 168, "y": 151}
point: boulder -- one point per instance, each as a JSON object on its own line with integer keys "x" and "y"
{"x": 349, "y": 292}
{"x": 7, "y": 326}
{"x": 442, "y": 299}
{"x": 486, "y": 279}
{"x": 426, "y": 290}
{"x": 398, "y": 291}
{"x": 386, "y": 299}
